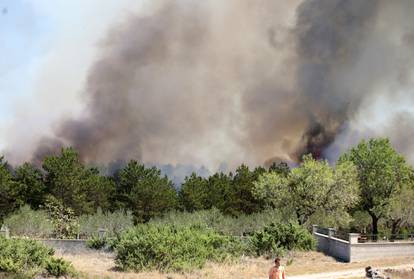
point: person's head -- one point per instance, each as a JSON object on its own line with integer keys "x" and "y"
{"x": 277, "y": 261}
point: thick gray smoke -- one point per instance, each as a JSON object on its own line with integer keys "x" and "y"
{"x": 239, "y": 81}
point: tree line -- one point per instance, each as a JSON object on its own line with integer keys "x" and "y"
{"x": 370, "y": 180}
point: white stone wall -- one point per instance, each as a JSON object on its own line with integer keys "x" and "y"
{"x": 332, "y": 246}
{"x": 352, "y": 251}
{"x": 70, "y": 246}
{"x": 375, "y": 250}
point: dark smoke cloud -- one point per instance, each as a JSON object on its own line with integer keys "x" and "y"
{"x": 209, "y": 81}
{"x": 330, "y": 37}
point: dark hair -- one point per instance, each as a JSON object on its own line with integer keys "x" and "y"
{"x": 277, "y": 259}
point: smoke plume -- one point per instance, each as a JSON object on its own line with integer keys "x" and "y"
{"x": 202, "y": 82}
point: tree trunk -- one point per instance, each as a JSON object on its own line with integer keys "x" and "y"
{"x": 298, "y": 217}
{"x": 395, "y": 227}
{"x": 374, "y": 225}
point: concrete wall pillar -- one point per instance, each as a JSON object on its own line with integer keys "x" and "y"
{"x": 101, "y": 232}
{"x": 314, "y": 229}
{"x": 4, "y": 231}
{"x": 353, "y": 238}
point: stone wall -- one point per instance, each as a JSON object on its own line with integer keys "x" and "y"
{"x": 352, "y": 251}
{"x": 69, "y": 246}
{"x": 375, "y": 250}
{"x": 332, "y": 246}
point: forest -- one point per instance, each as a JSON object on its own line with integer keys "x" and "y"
{"x": 257, "y": 212}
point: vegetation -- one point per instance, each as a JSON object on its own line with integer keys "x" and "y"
{"x": 112, "y": 223}
{"x": 214, "y": 219}
{"x": 9, "y": 200}
{"x": 145, "y": 191}
{"x": 185, "y": 247}
{"x": 313, "y": 187}
{"x": 59, "y": 267}
{"x": 249, "y": 211}
{"x": 96, "y": 242}
{"x": 64, "y": 221}
{"x": 29, "y": 223}
{"x": 26, "y": 258}
{"x": 167, "y": 248}
{"x": 382, "y": 174}
{"x": 274, "y": 239}
{"x": 75, "y": 186}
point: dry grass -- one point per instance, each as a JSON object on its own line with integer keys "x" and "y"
{"x": 315, "y": 262}
{"x": 101, "y": 265}
{"x": 401, "y": 274}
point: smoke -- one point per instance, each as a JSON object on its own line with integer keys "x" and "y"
{"x": 202, "y": 82}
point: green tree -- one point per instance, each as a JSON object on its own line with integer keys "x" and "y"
{"x": 30, "y": 186}
{"x": 193, "y": 193}
{"x": 64, "y": 221}
{"x": 100, "y": 189}
{"x": 382, "y": 172}
{"x": 8, "y": 196}
{"x": 311, "y": 188}
{"x": 145, "y": 191}
{"x": 243, "y": 200}
{"x": 219, "y": 193}
{"x": 74, "y": 185}
{"x": 281, "y": 168}
{"x": 401, "y": 211}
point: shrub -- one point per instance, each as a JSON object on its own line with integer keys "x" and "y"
{"x": 22, "y": 255}
{"x": 202, "y": 218}
{"x": 59, "y": 267}
{"x": 18, "y": 255}
{"x": 172, "y": 248}
{"x": 30, "y": 223}
{"x": 96, "y": 242}
{"x": 64, "y": 221}
{"x": 26, "y": 258}
{"x": 275, "y": 238}
{"x": 213, "y": 218}
{"x": 114, "y": 223}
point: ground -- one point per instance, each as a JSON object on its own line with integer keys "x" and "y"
{"x": 101, "y": 265}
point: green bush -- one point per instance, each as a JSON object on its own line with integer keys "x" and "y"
{"x": 172, "y": 248}
{"x": 19, "y": 255}
{"x": 26, "y": 258}
{"x": 96, "y": 242}
{"x": 213, "y": 218}
{"x": 276, "y": 238}
{"x": 30, "y": 223}
{"x": 64, "y": 220}
{"x": 59, "y": 267}
{"x": 112, "y": 222}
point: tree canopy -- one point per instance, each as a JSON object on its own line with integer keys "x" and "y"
{"x": 370, "y": 183}
{"x": 8, "y": 196}
{"x": 145, "y": 191}
{"x": 75, "y": 185}
{"x": 310, "y": 188}
{"x": 382, "y": 172}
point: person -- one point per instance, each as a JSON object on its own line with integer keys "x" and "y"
{"x": 277, "y": 271}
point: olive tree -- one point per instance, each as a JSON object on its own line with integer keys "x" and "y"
{"x": 382, "y": 173}
{"x": 311, "y": 188}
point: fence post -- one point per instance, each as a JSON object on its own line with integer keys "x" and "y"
{"x": 353, "y": 238}
{"x": 314, "y": 229}
{"x": 331, "y": 232}
{"x": 4, "y": 231}
{"x": 101, "y": 232}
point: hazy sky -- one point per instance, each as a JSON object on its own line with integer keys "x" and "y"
{"x": 46, "y": 47}
{"x": 49, "y": 47}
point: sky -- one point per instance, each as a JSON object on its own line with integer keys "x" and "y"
{"x": 49, "y": 47}
{"x": 47, "y": 44}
